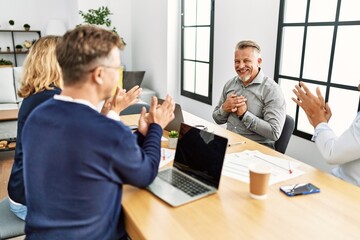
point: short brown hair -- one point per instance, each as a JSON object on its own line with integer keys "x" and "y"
{"x": 82, "y": 48}
{"x": 248, "y": 43}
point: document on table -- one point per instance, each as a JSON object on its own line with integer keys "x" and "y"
{"x": 167, "y": 155}
{"x": 236, "y": 166}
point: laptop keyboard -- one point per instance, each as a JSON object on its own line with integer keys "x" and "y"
{"x": 183, "y": 183}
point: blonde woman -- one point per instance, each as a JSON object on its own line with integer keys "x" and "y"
{"x": 41, "y": 80}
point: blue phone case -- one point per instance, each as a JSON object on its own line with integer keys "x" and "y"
{"x": 299, "y": 189}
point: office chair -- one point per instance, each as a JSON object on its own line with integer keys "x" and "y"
{"x": 10, "y": 225}
{"x": 283, "y": 141}
{"x": 135, "y": 108}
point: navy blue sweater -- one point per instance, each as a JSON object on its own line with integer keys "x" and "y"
{"x": 16, "y": 182}
{"x": 75, "y": 164}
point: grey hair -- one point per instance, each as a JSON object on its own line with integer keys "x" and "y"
{"x": 248, "y": 43}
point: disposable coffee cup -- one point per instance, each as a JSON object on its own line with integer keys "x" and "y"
{"x": 259, "y": 180}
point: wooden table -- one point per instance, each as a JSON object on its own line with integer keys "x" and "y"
{"x": 6, "y": 115}
{"x": 232, "y": 214}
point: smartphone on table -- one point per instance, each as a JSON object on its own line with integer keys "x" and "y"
{"x": 299, "y": 189}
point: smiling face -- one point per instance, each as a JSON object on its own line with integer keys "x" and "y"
{"x": 247, "y": 64}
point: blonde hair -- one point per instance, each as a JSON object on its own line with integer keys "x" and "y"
{"x": 41, "y": 68}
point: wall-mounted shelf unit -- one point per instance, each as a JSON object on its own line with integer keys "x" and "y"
{"x": 17, "y": 38}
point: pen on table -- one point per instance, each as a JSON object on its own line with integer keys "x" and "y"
{"x": 236, "y": 143}
{"x": 290, "y": 169}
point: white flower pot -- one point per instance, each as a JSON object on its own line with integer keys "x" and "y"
{"x": 172, "y": 142}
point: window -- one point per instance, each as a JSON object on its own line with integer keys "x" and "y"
{"x": 318, "y": 43}
{"x": 197, "y": 31}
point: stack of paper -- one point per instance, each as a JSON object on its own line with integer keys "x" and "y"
{"x": 236, "y": 166}
{"x": 167, "y": 155}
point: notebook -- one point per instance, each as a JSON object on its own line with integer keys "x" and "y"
{"x": 132, "y": 78}
{"x": 196, "y": 171}
{"x": 174, "y": 124}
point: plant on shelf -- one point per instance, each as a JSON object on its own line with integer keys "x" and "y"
{"x": 26, "y": 27}
{"x": 11, "y": 22}
{"x": 27, "y": 44}
{"x": 19, "y": 47}
{"x": 8, "y": 48}
{"x": 5, "y": 62}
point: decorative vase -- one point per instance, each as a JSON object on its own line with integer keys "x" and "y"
{"x": 172, "y": 142}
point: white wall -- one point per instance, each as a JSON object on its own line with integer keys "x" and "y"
{"x": 149, "y": 28}
{"x": 36, "y": 12}
{"x": 121, "y": 19}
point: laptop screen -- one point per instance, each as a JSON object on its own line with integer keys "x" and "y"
{"x": 175, "y": 123}
{"x": 200, "y": 154}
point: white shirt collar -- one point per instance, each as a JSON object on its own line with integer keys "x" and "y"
{"x": 70, "y": 99}
{"x": 111, "y": 114}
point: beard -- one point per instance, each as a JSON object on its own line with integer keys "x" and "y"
{"x": 245, "y": 78}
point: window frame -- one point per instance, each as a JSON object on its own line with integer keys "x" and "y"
{"x": 194, "y": 95}
{"x": 327, "y": 84}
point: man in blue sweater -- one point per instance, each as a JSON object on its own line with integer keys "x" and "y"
{"x": 77, "y": 160}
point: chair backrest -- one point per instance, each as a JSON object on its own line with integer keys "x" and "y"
{"x": 10, "y": 225}
{"x": 283, "y": 141}
{"x": 135, "y": 108}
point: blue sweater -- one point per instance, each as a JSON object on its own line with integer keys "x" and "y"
{"x": 16, "y": 182}
{"x": 75, "y": 164}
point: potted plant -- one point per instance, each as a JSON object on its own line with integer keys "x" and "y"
{"x": 173, "y": 138}
{"x": 5, "y": 63}
{"x": 8, "y": 48}
{"x": 19, "y": 47}
{"x": 11, "y": 22}
{"x": 26, "y": 27}
{"x": 27, "y": 44}
{"x": 98, "y": 17}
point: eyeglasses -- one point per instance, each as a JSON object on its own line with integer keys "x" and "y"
{"x": 105, "y": 66}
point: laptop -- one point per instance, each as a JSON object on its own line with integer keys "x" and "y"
{"x": 196, "y": 171}
{"x": 179, "y": 118}
{"x": 132, "y": 78}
